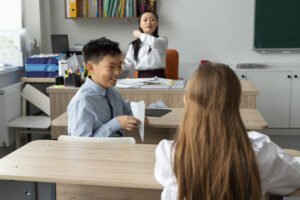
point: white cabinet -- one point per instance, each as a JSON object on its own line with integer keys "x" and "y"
{"x": 241, "y": 74}
{"x": 274, "y": 96}
{"x": 279, "y": 96}
{"x": 295, "y": 101}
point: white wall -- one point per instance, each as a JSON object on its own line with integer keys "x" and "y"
{"x": 199, "y": 29}
{"x": 31, "y": 18}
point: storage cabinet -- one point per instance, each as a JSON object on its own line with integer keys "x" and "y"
{"x": 16, "y": 190}
{"x": 295, "y": 100}
{"x": 279, "y": 96}
{"x": 273, "y": 100}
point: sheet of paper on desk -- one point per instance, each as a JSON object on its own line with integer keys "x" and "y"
{"x": 155, "y": 86}
{"x": 178, "y": 84}
{"x": 133, "y": 82}
{"x": 138, "y": 110}
{"x": 298, "y": 159}
{"x": 150, "y": 83}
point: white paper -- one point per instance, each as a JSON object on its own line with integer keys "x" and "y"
{"x": 298, "y": 159}
{"x": 155, "y": 86}
{"x": 138, "y": 110}
{"x": 150, "y": 83}
{"x": 133, "y": 82}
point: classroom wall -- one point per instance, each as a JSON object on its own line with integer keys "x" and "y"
{"x": 31, "y": 19}
{"x": 199, "y": 29}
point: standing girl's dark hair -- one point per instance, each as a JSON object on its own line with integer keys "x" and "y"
{"x": 136, "y": 44}
{"x": 213, "y": 156}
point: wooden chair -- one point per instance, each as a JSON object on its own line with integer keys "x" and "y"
{"x": 32, "y": 124}
{"x": 114, "y": 140}
{"x": 172, "y": 65}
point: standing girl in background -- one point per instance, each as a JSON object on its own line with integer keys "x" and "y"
{"x": 213, "y": 157}
{"x": 147, "y": 54}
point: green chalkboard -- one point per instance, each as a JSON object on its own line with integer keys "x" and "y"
{"x": 277, "y": 24}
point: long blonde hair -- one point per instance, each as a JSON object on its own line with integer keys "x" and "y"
{"x": 213, "y": 156}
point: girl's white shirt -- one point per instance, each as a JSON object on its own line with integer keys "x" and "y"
{"x": 155, "y": 59}
{"x": 279, "y": 172}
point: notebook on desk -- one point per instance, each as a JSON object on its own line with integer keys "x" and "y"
{"x": 156, "y": 112}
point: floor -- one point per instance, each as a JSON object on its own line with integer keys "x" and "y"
{"x": 6, "y": 150}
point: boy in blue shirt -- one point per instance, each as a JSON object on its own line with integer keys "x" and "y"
{"x": 98, "y": 110}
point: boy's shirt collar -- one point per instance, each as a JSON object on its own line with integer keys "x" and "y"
{"x": 98, "y": 88}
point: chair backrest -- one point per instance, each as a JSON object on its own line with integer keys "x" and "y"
{"x": 172, "y": 64}
{"x": 37, "y": 98}
{"x": 111, "y": 140}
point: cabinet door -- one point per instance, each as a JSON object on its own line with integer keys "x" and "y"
{"x": 241, "y": 75}
{"x": 273, "y": 101}
{"x": 16, "y": 190}
{"x": 295, "y": 101}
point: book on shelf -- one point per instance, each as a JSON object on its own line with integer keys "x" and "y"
{"x": 146, "y": 5}
{"x": 114, "y": 11}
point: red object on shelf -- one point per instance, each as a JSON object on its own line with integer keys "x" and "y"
{"x": 204, "y": 61}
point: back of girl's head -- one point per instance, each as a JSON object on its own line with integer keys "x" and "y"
{"x": 95, "y": 50}
{"x": 214, "y": 88}
{"x": 213, "y": 154}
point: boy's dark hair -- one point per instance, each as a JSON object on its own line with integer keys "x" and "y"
{"x": 95, "y": 50}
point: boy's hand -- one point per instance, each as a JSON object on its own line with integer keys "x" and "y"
{"x": 137, "y": 33}
{"x": 128, "y": 123}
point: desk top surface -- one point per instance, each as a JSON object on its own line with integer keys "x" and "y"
{"x": 248, "y": 88}
{"x": 114, "y": 165}
{"x": 251, "y": 118}
{"x": 37, "y": 80}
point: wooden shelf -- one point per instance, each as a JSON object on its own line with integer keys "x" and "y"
{"x": 101, "y": 9}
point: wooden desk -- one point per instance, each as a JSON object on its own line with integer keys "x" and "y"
{"x": 251, "y": 117}
{"x": 88, "y": 171}
{"x": 60, "y": 97}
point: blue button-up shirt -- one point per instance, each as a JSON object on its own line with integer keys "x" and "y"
{"x": 89, "y": 112}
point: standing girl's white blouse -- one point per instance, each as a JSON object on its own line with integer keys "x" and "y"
{"x": 155, "y": 59}
{"x": 279, "y": 172}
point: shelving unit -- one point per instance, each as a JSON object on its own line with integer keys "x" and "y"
{"x": 75, "y": 9}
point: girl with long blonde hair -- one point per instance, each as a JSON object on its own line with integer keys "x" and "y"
{"x": 213, "y": 157}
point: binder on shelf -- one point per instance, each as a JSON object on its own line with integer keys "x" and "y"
{"x": 73, "y": 8}
{"x": 114, "y": 8}
{"x": 86, "y": 8}
{"x": 99, "y": 8}
{"x": 130, "y": 8}
{"x": 90, "y": 14}
{"x": 111, "y": 7}
{"x": 67, "y": 4}
{"x": 123, "y": 13}
{"x": 135, "y": 8}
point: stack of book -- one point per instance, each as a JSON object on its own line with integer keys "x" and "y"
{"x": 43, "y": 65}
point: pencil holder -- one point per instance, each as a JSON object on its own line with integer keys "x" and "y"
{"x": 73, "y": 80}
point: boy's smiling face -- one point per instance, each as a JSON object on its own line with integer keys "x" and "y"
{"x": 107, "y": 71}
